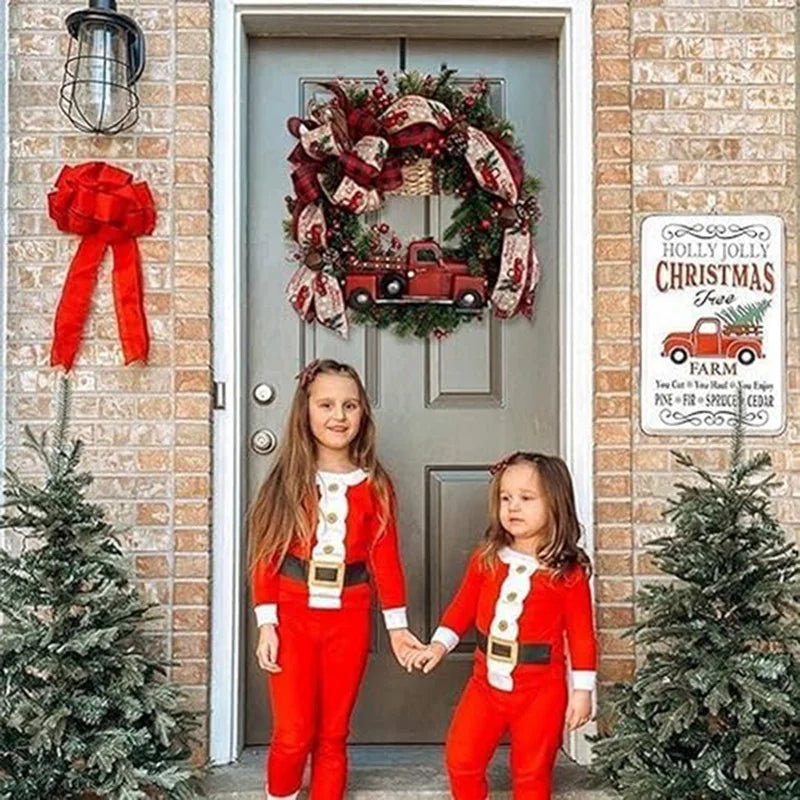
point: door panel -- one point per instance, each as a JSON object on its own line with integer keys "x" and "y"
{"x": 281, "y": 74}
{"x": 445, "y": 409}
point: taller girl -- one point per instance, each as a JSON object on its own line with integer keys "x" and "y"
{"x": 323, "y": 525}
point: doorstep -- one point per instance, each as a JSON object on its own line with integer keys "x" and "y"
{"x": 398, "y": 772}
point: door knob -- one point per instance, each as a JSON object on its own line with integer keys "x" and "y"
{"x": 263, "y": 393}
{"x": 263, "y": 441}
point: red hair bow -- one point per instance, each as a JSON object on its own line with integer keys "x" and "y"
{"x": 498, "y": 467}
{"x": 308, "y": 373}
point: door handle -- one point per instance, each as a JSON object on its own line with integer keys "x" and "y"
{"x": 263, "y": 441}
{"x": 263, "y": 393}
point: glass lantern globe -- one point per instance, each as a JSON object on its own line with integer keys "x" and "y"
{"x": 106, "y": 57}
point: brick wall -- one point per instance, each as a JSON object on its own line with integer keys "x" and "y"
{"x": 695, "y": 110}
{"x": 147, "y": 430}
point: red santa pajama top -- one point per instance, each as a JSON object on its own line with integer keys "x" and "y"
{"x": 347, "y": 532}
{"x": 518, "y": 602}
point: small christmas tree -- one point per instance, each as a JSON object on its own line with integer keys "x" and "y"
{"x": 85, "y": 708}
{"x": 744, "y": 319}
{"x": 714, "y": 710}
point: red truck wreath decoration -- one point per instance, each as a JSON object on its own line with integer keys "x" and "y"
{"x": 428, "y": 136}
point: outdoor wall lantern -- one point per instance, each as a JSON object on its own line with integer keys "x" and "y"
{"x": 105, "y": 59}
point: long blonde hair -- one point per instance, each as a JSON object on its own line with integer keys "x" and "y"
{"x": 286, "y": 504}
{"x": 561, "y": 552}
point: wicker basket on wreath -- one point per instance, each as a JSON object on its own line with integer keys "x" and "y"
{"x": 417, "y": 179}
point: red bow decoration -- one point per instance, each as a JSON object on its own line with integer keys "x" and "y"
{"x": 103, "y": 205}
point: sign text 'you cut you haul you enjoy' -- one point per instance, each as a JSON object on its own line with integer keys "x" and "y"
{"x": 712, "y": 290}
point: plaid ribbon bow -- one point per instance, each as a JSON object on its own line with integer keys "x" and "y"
{"x": 350, "y": 135}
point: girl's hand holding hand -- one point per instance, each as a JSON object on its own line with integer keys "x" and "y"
{"x": 428, "y": 658}
{"x": 579, "y": 710}
{"x": 404, "y": 644}
{"x": 267, "y": 648}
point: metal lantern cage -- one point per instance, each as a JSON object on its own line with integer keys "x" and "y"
{"x": 106, "y": 57}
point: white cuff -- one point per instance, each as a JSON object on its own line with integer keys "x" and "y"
{"x": 266, "y": 614}
{"x": 395, "y": 618}
{"x": 449, "y": 638}
{"x": 584, "y": 679}
{"x": 292, "y": 796}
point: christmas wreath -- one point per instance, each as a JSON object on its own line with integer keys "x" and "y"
{"x": 427, "y": 136}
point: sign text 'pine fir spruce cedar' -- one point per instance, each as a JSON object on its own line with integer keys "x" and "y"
{"x": 712, "y": 303}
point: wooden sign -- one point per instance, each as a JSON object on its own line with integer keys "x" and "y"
{"x": 712, "y": 301}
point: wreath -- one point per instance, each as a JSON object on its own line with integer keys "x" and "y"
{"x": 427, "y": 136}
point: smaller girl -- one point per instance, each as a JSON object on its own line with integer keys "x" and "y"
{"x": 525, "y": 587}
{"x": 322, "y": 529}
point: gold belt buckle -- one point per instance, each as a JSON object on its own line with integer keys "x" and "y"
{"x": 326, "y": 574}
{"x": 505, "y": 650}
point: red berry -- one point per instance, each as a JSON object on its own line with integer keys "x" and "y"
{"x": 469, "y": 102}
{"x": 378, "y": 91}
{"x": 485, "y": 224}
{"x": 383, "y": 228}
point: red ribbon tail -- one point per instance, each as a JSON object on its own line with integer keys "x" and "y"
{"x": 76, "y": 297}
{"x": 129, "y": 301}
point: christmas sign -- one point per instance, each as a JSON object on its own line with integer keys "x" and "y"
{"x": 712, "y": 294}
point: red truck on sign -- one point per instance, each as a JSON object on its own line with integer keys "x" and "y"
{"x": 710, "y": 338}
{"x": 424, "y": 276}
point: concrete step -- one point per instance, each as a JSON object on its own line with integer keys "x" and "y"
{"x": 379, "y": 772}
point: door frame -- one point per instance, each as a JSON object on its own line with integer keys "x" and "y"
{"x": 569, "y": 21}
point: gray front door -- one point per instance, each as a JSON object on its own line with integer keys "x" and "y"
{"x": 445, "y": 409}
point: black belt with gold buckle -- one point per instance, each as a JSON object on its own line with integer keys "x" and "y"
{"x": 513, "y": 652}
{"x": 325, "y": 574}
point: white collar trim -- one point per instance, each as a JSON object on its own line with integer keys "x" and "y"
{"x": 347, "y": 478}
{"x": 509, "y": 556}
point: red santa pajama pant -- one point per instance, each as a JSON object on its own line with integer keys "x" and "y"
{"x": 323, "y": 654}
{"x": 535, "y": 717}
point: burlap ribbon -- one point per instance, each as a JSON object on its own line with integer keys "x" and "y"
{"x": 498, "y": 171}
{"x": 314, "y": 293}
